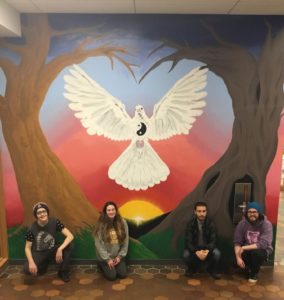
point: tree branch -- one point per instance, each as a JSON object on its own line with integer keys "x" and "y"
{"x": 216, "y": 36}
{"x": 180, "y": 53}
{"x": 54, "y": 67}
{"x": 234, "y": 64}
{"x": 79, "y": 55}
{"x": 19, "y": 49}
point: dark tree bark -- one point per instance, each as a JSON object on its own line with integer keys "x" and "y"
{"x": 256, "y": 90}
{"x": 40, "y": 174}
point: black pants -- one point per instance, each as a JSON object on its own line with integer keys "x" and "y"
{"x": 119, "y": 271}
{"x": 254, "y": 259}
{"x": 43, "y": 258}
{"x": 212, "y": 260}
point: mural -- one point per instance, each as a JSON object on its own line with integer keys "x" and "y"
{"x": 49, "y": 156}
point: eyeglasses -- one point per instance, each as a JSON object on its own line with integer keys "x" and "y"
{"x": 252, "y": 212}
{"x": 41, "y": 212}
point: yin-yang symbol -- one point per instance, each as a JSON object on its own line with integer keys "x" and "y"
{"x": 142, "y": 129}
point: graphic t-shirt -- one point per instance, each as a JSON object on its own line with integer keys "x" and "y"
{"x": 252, "y": 237}
{"x": 43, "y": 237}
{"x": 113, "y": 237}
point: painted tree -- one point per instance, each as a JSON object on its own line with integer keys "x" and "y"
{"x": 255, "y": 85}
{"x": 40, "y": 174}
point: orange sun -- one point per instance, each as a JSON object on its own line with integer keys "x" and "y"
{"x": 139, "y": 210}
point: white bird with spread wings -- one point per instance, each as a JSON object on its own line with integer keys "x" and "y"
{"x": 139, "y": 166}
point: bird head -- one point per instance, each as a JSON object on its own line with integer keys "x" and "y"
{"x": 139, "y": 111}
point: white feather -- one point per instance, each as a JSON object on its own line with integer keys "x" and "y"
{"x": 177, "y": 110}
{"x": 138, "y": 168}
{"x": 99, "y": 112}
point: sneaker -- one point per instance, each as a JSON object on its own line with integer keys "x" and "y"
{"x": 64, "y": 276}
{"x": 252, "y": 278}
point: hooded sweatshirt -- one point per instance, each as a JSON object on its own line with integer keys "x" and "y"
{"x": 259, "y": 233}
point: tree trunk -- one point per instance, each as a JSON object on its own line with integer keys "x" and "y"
{"x": 42, "y": 177}
{"x": 256, "y": 89}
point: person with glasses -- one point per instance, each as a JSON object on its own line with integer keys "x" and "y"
{"x": 41, "y": 245}
{"x": 253, "y": 241}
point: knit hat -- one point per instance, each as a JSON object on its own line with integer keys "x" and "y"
{"x": 38, "y": 206}
{"x": 256, "y": 206}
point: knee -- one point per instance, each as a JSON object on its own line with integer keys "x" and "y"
{"x": 186, "y": 254}
{"x": 122, "y": 275}
{"x": 110, "y": 276}
{"x": 216, "y": 254}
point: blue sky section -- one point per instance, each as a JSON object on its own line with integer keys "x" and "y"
{"x": 140, "y": 34}
{"x": 124, "y": 87}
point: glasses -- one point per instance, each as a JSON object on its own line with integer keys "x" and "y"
{"x": 41, "y": 212}
{"x": 252, "y": 212}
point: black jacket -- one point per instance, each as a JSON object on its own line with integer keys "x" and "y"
{"x": 191, "y": 235}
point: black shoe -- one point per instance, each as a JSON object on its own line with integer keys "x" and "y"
{"x": 215, "y": 275}
{"x": 64, "y": 276}
{"x": 190, "y": 272}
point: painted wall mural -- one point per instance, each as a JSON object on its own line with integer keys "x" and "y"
{"x": 164, "y": 70}
{"x": 139, "y": 166}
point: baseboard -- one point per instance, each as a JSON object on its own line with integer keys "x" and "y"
{"x": 129, "y": 261}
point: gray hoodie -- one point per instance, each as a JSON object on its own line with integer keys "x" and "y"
{"x": 106, "y": 251}
{"x": 259, "y": 233}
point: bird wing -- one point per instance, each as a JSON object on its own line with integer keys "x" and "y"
{"x": 178, "y": 109}
{"x": 99, "y": 112}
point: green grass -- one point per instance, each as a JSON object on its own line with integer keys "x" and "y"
{"x": 149, "y": 246}
{"x": 138, "y": 251}
{"x": 84, "y": 247}
{"x": 16, "y": 242}
{"x": 160, "y": 244}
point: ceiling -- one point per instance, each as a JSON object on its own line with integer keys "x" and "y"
{"x": 10, "y": 10}
{"x": 255, "y": 7}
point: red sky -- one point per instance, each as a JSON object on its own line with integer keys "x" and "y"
{"x": 88, "y": 158}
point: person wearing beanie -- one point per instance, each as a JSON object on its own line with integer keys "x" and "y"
{"x": 41, "y": 245}
{"x": 253, "y": 240}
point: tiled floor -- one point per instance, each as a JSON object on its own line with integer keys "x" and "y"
{"x": 144, "y": 282}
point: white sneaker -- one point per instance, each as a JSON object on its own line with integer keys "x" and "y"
{"x": 252, "y": 279}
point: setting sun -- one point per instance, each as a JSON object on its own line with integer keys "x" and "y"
{"x": 139, "y": 210}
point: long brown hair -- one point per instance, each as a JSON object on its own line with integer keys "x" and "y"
{"x": 104, "y": 225}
